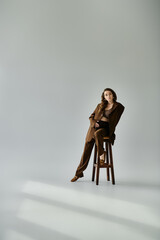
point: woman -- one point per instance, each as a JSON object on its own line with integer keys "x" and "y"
{"x": 103, "y": 122}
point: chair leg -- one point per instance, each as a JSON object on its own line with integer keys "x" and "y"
{"x": 97, "y": 173}
{"x": 108, "y": 175}
{"x": 94, "y": 161}
{"x": 111, "y": 161}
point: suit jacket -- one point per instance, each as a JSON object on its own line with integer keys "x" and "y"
{"x": 114, "y": 117}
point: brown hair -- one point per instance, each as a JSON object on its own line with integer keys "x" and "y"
{"x": 104, "y": 102}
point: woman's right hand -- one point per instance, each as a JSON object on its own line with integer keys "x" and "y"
{"x": 96, "y": 124}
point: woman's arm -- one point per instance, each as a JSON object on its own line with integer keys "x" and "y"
{"x": 91, "y": 117}
{"x": 114, "y": 118}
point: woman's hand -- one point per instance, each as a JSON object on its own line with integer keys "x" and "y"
{"x": 96, "y": 124}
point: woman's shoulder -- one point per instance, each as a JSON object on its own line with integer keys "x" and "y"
{"x": 98, "y": 105}
{"x": 120, "y": 104}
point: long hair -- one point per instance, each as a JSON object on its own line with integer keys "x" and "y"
{"x": 104, "y": 102}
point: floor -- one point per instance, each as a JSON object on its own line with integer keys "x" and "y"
{"x": 35, "y": 209}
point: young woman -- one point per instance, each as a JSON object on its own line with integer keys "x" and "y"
{"x": 103, "y": 122}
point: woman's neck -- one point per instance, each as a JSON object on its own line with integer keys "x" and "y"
{"x": 110, "y": 103}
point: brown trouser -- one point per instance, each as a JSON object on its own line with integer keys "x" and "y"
{"x": 98, "y": 140}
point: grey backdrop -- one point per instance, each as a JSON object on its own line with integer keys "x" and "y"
{"x": 56, "y": 58}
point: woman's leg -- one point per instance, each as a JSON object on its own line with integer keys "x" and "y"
{"x": 98, "y": 135}
{"x": 85, "y": 158}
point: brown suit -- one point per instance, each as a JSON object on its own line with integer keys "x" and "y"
{"x": 97, "y": 135}
{"x": 114, "y": 117}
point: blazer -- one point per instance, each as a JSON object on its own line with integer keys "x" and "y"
{"x": 113, "y": 118}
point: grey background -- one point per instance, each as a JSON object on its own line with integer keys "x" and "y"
{"x": 56, "y": 58}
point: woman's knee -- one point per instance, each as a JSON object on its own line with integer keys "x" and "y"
{"x": 98, "y": 133}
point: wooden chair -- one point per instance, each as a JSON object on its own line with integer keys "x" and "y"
{"x": 108, "y": 164}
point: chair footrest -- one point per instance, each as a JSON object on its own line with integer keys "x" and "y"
{"x": 105, "y": 165}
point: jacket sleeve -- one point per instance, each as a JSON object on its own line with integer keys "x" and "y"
{"x": 91, "y": 117}
{"x": 115, "y": 119}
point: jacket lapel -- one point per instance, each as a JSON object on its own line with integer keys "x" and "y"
{"x": 114, "y": 106}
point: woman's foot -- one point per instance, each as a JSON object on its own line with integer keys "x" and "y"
{"x": 102, "y": 159}
{"x": 74, "y": 179}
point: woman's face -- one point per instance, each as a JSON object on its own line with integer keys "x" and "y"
{"x": 108, "y": 96}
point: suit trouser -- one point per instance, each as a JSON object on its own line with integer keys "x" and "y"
{"x": 98, "y": 140}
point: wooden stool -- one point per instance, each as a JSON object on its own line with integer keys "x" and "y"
{"x": 108, "y": 164}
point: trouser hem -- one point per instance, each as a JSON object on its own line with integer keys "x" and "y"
{"x": 80, "y": 175}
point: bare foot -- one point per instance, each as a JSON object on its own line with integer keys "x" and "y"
{"x": 102, "y": 158}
